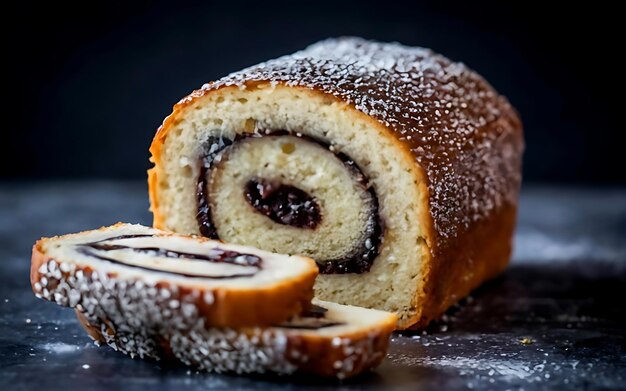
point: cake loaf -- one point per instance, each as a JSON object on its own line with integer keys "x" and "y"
{"x": 393, "y": 167}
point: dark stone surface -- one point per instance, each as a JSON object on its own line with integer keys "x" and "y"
{"x": 564, "y": 291}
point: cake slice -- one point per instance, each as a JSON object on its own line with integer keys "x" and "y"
{"x": 143, "y": 280}
{"x": 329, "y": 340}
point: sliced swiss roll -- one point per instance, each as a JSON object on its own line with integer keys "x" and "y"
{"x": 139, "y": 279}
{"x": 395, "y": 168}
{"x": 329, "y": 340}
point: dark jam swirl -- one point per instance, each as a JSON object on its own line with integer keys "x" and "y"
{"x": 313, "y": 319}
{"x": 99, "y": 249}
{"x": 203, "y": 215}
{"x": 362, "y": 258}
{"x": 283, "y": 204}
{"x": 315, "y": 311}
{"x": 309, "y": 324}
{"x": 268, "y": 198}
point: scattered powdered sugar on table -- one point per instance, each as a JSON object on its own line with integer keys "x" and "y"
{"x": 539, "y": 247}
{"x": 481, "y": 370}
{"x": 59, "y": 347}
{"x": 509, "y": 369}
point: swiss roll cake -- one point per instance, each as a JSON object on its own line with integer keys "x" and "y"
{"x": 396, "y": 169}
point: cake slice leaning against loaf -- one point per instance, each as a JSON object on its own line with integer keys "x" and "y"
{"x": 395, "y": 168}
{"x": 142, "y": 279}
{"x": 329, "y": 340}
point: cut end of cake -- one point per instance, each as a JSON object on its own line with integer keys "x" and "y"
{"x": 302, "y": 180}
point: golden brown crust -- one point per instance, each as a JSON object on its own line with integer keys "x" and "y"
{"x": 232, "y": 307}
{"x": 465, "y": 140}
{"x": 93, "y": 331}
{"x": 481, "y": 254}
{"x": 152, "y": 194}
{"x": 323, "y": 353}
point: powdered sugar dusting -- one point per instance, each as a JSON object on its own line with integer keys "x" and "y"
{"x": 137, "y": 319}
{"x": 465, "y": 136}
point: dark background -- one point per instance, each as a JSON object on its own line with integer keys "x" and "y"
{"x": 88, "y": 87}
